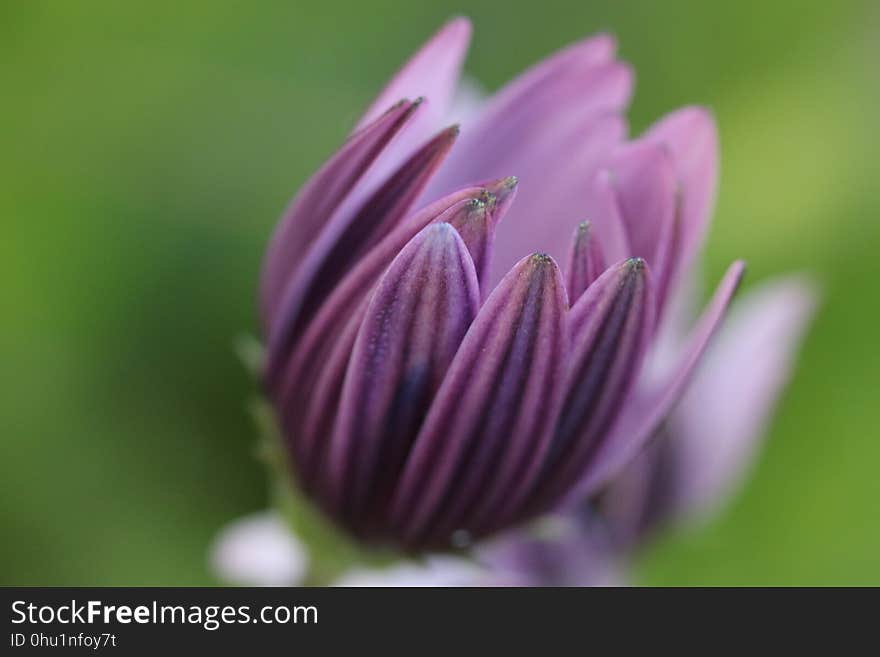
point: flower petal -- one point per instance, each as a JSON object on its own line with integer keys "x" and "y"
{"x": 344, "y": 239}
{"x": 258, "y": 550}
{"x": 611, "y": 327}
{"x": 551, "y": 127}
{"x": 716, "y": 427}
{"x": 433, "y": 571}
{"x": 585, "y": 261}
{"x": 413, "y": 326}
{"x": 643, "y": 177}
{"x": 477, "y": 228}
{"x": 602, "y": 206}
{"x": 494, "y": 408}
{"x": 319, "y": 198}
{"x": 644, "y": 416}
{"x": 313, "y": 376}
{"x": 692, "y": 138}
{"x": 432, "y": 72}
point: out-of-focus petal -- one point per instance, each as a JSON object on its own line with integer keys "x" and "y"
{"x": 717, "y": 425}
{"x": 644, "y": 181}
{"x": 469, "y": 99}
{"x": 641, "y": 497}
{"x": 493, "y": 411}
{"x": 350, "y": 233}
{"x": 413, "y": 326}
{"x": 556, "y": 550}
{"x": 258, "y": 550}
{"x": 692, "y": 138}
{"x": 611, "y": 326}
{"x": 319, "y": 198}
{"x": 432, "y": 72}
{"x": 650, "y": 408}
{"x": 431, "y": 572}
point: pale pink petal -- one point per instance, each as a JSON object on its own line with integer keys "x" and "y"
{"x": 719, "y": 422}
{"x": 691, "y": 136}
{"x": 432, "y": 72}
{"x": 467, "y": 103}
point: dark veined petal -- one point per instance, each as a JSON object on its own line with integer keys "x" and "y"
{"x": 477, "y": 228}
{"x": 413, "y": 326}
{"x": 308, "y": 397}
{"x": 645, "y": 415}
{"x": 644, "y": 181}
{"x": 585, "y": 261}
{"x": 319, "y": 199}
{"x": 611, "y": 327}
{"x": 494, "y": 409}
{"x": 346, "y": 237}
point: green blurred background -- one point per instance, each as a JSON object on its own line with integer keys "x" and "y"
{"x": 148, "y": 147}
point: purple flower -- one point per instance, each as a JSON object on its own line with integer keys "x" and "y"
{"x": 436, "y": 375}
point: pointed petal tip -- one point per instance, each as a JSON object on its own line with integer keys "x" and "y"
{"x": 502, "y": 186}
{"x": 702, "y": 113}
{"x": 459, "y": 25}
{"x": 440, "y": 144}
{"x": 596, "y": 48}
{"x": 737, "y": 270}
{"x": 541, "y": 260}
{"x": 439, "y": 231}
{"x": 635, "y": 265}
{"x": 501, "y": 191}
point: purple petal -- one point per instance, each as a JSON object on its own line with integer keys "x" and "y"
{"x": 717, "y": 426}
{"x": 319, "y": 198}
{"x": 559, "y": 550}
{"x": 413, "y": 326}
{"x": 643, "y": 178}
{"x": 611, "y": 327}
{"x": 477, "y": 228}
{"x": 585, "y": 261}
{"x": 308, "y": 394}
{"x": 640, "y": 498}
{"x": 432, "y": 75}
{"x": 644, "y": 416}
{"x": 552, "y": 127}
{"x": 602, "y": 206}
{"x": 691, "y": 136}
{"x": 553, "y": 174}
{"x": 494, "y": 409}
{"x": 432, "y": 72}
{"x": 348, "y": 235}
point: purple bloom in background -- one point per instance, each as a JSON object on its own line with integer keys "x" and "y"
{"x": 437, "y": 376}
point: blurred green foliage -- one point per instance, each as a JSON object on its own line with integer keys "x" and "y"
{"x": 148, "y": 148}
